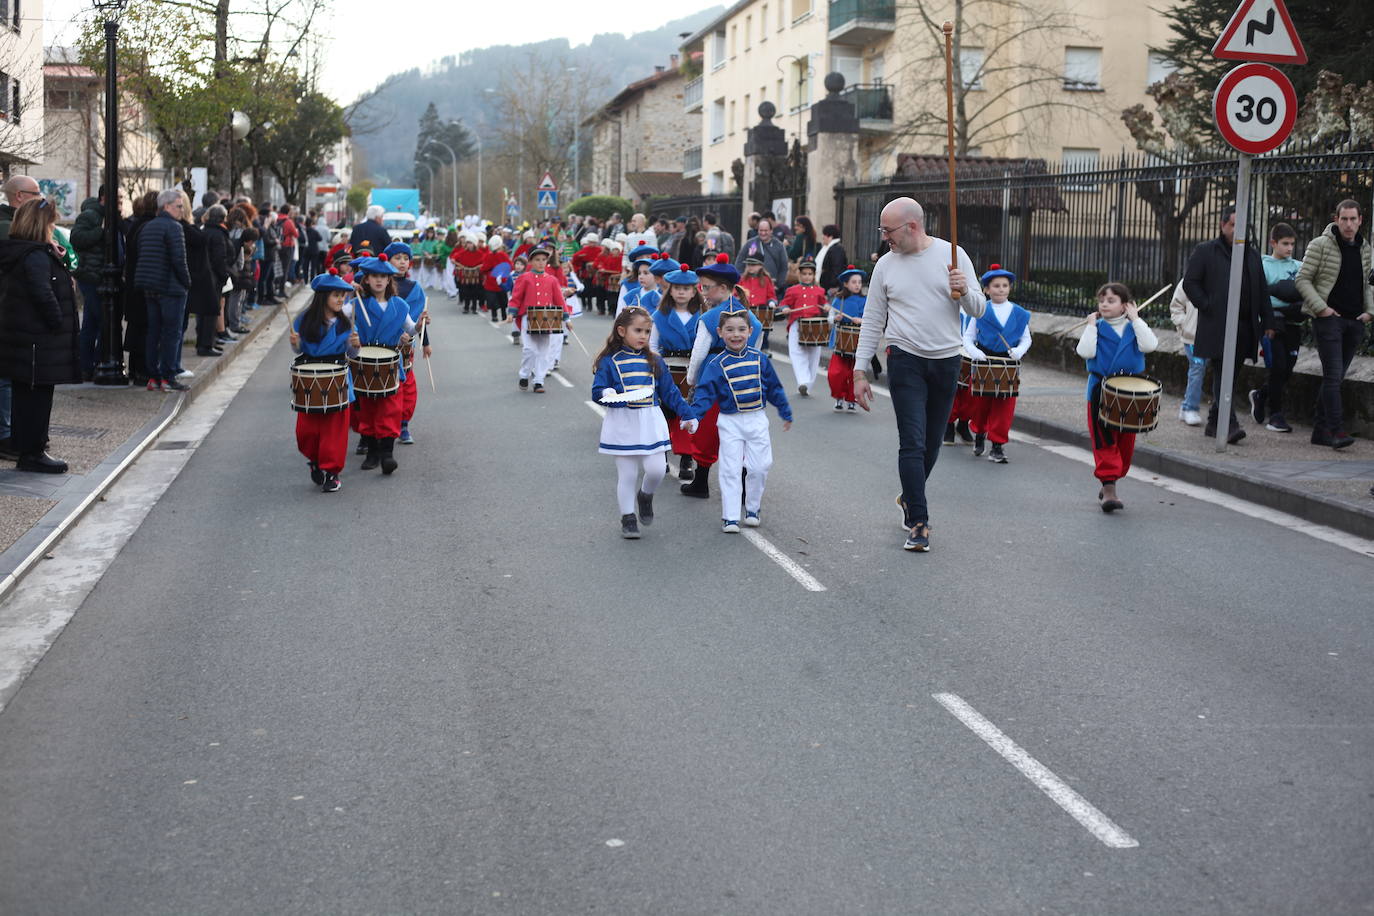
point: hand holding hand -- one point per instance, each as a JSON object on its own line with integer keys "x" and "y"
{"x": 688, "y": 426}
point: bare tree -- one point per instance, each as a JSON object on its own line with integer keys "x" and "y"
{"x": 21, "y": 97}
{"x": 1007, "y": 70}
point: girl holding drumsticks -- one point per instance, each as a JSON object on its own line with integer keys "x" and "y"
{"x": 324, "y": 331}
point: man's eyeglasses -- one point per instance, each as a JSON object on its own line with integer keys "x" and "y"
{"x": 883, "y": 230}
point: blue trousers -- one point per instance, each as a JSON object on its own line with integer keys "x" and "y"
{"x": 91, "y": 318}
{"x": 922, "y": 395}
{"x": 1197, "y": 367}
{"x": 165, "y": 313}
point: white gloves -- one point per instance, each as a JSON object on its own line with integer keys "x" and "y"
{"x": 974, "y": 352}
{"x": 688, "y": 426}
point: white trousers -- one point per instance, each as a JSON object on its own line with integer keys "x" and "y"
{"x": 450, "y": 283}
{"x": 627, "y": 484}
{"x": 556, "y": 349}
{"x": 534, "y": 356}
{"x": 744, "y": 443}
{"x": 806, "y": 361}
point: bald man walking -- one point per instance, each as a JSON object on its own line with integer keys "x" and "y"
{"x": 911, "y": 303}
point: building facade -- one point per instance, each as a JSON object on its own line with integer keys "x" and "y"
{"x": 639, "y": 138}
{"x": 21, "y": 85}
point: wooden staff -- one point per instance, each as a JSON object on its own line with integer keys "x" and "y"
{"x": 1139, "y": 308}
{"x": 948, "y": 29}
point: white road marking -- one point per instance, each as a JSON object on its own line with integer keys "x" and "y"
{"x": 1351, "y": 542}
{"x": 600, "y": 411}
{"x": 558, "y": 377}
{"x": 877, "y": 389}
{"x": 45, "y": 601}
{"x": 1078, "y": 807}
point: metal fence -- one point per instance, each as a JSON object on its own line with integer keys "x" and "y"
{"x": 729, "y": 209}
{"x": 1067, "y": 230}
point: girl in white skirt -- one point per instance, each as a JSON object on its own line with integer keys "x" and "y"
{"x": 636, "y": 432}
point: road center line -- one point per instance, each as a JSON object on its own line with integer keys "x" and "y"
{"x": 560, "y": 379}
{"x": 1078, "y": 807}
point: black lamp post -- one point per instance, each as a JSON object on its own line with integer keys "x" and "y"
{"x": 110, "y": 369}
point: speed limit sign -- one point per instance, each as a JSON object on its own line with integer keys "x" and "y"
{"x": 1255, "y": 107}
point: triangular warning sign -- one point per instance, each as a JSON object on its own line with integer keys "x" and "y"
{"x": 548, "y": 184}
{"x": 1261, "y": 30}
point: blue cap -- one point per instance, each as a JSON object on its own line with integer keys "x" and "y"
{"x": 994, "y": 271}
{"x": 330, "y": 280}
{"x": 720, "y": 269}
{"x": 666, "y": 265}
{"x": 848, "y": 272}
{"x": 396, "y": 248}
{"x": 373, "y": 266}
{"x": 640, "y": 252}
{"x": 680, "y": 277}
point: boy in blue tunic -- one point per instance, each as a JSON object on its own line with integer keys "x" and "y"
{"x": 1002, "y": 330}
{"x": 399, "y": 257}
{"x": 323, "y": 333}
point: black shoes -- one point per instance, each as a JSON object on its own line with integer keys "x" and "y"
{"x": 41, "y": 463}
{"x": 174, "y": 385}
{"x": 684, "y": 469}
{"x": 997, "y": 456}
{"x": 538, "y": 388}
{"x": 374, "y": 455}
{"x": 1337, "y": 440}
{"x": 1278, "y": 424}
{"x": 629, "y": 527}
{"x": 645, "y": 501}
{"x": 524, "y": 384}
{"x": 389, "y": 464}
{"x": 1236, "y": 434}
{"x": 316, "y": 475}
{"x": 362, "y": 445}
{"x": 1259, "y": 404}
{"x": 7, "y": 452}
{"x": 918, "y": 538}
{"x": 699, "y": 487}
{"x": 979, "y": 442}
{"x": 949, "y": 429}
{"x": 213, "y": 351}
{"x": 331, "y": 483}
{"x": 964, "y": 433}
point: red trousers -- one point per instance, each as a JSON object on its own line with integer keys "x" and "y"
{"x": 1111, "y": 462}
{"x": 680, "y": 439}
{"x": 992, "y": 417}
{"x": 963, "y": 404}
{"x": 380, "y": 418}
{"x": 410, "y": 393}
{"x": 323, "y": 438}
{"x": 840, "y": 373}
{"x": 706, "y": 440}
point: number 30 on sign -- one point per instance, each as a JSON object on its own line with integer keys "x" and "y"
{"x": 1255, "y": 107}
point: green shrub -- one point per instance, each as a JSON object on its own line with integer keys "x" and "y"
{"x": 601, "y": 206}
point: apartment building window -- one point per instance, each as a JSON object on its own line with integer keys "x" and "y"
{"x": 734, "y": 40}
{"x": 1083, "y": 69}
{"x": 9, "y": 13}
{"x": 1157, "y": 66}
{"x": 800, "y": 9}
{"x": 717, "y": 183}
{"x": 1080, "y": 159}
{"x": 782, "y": 97}
{"x": 800, "y": 78}
{"x": 763, "y": 23}
{"x": 730, "y": 131}
{"x": 851, "y": 68}
{"x": 9, "y": 98}
{"x": 748, "y": 30}
{"x": 62, "y": 100}
{"x": 748, "y": 112}
{"x": 718, "y": 120}
{"x": 782, "y": 7}
{"x": 970, "y": 63}
{"x": 718, "y": 49}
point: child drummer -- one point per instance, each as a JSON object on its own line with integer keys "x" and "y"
{"x": 846, "y": 311}
{"x": 803, "y": 300}
{"x": 991, "y": 335}
{"x": 383, "y": 320}
{"x": 1115, "y": 343}
{"x": 674, "y": 332}
{"x": 324, "y": 332}
{"x": 535, "y": 288}
{"x": 398, "y": 255}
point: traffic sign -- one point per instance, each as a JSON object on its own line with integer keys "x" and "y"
{"x": 1255, "y": 107}
{"x": 547, "y": 183}
{"x": 547, "y": 200}
{"x": 1261, "y": 30}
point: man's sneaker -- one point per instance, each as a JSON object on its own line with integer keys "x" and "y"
{"x": 801, "y": 390}
{"x": 406, "y": 438}
{"x": 997, "y": 456}
{"x": 964, "y": 433}
{"x": 316, "y": 475}
{"x": 1259, "y": 401}
{"x": 729, "y": 526}
{"x": 1190, "y": 417}
{"x": 918, "y": 538}
{"x": 1278, "y": 424}
{"x": 175, "y": 385}
{"x": 751, "y": 520}
{"x": 949, "y": 433}
{"x": 901, "y": 506}
{"x": 184, "y": 373}
{"x": 645, "y": 502}
{"x": 538, "y": 388}
{"x": 1342, "y": 439}
{"x": 979, "y": 443}
{"x": 839, "y": 404}
{"x": 331, "y": 483}
{"x": 629, "y": 528}
{"x": 1235, "y": 436}
{"x": 524, "y": 384}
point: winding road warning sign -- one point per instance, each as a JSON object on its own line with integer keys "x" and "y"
{"x": 1261, "y": 30}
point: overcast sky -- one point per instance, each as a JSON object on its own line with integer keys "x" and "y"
{"x": 426, "y": 30}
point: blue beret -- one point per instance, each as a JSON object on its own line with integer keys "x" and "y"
{"x": 680, "y": 277}
{"x": 396, "y": 248}
{"x": 330, "y": 281}
{"x": 994, "y": 271}
{"x": 721, "y": 269}
{"x": 666, "y": 265}
{"x": 373, "y": 266}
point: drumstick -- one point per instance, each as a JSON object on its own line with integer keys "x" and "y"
{"x": 579, "y": 341}
{"x": 948, "y": 29}
{"x": 1140, "y": 307}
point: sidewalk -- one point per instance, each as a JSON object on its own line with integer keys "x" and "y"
{"x": 99, "y": 432}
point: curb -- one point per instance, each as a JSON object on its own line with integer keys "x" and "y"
{"x": 48, "y": 531}
{"x": 1311, "y": 507}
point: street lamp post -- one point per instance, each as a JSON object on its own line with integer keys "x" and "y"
{"x": 110, "y": 369}
{"x": 430, "y": 169}
{"x": 478, "y": 138}
{"x": 239, "y": 126}
{"x": 577, "y": 145}
{"x": 453, "y": 185}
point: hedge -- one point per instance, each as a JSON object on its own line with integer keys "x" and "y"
{"x": 601, "y": 206}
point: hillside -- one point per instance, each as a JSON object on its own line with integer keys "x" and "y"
{"x": 456, "y": 85}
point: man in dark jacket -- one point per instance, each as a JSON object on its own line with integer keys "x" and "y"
{"x": 371, "y": 231}
{"x": 163, "y": 276}
{"x": 1206, "y": 281}
{"x": 88, "y": 240}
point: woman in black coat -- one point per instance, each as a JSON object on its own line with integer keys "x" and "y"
{"x": 135, "y": 305}
{"x": 203, "y": 298}
{"x": 221, "y": 255}
{"x": 38, "y": 330}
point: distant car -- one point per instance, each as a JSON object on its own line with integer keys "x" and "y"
{"x": 400, "y": 226}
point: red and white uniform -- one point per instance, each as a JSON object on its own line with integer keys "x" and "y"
{"x": 804, "y": 302}
{"x": 537, "y": 290}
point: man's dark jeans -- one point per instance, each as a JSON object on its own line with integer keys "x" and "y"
{"x": 165, "y": 315}
{"x": 922, "y": 395}
{"x": 91, "y": 318}
{"x": 1337, "y": 340}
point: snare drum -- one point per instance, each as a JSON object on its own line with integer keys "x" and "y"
{"x": 469, "y": 276}
{"x": 813, "y": 332}
{"x": 677, "y": 368}
{"x": 764, "y": 313}
{"x": 846, "y": 340}
{"x": 995, "y": 377}
{"x": 965, "y": 371}
{"x": 319, "y": 387}
{"x": 544, "y": 320}
{"x": 1129, "y": 403}
{"x": 407, "y": 351}
{"x": 376, "y": 371}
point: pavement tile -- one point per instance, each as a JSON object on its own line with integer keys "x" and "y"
{"x": 18, "y": 514}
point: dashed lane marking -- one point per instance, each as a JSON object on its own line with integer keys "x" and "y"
{"x": 1077, "y": 807}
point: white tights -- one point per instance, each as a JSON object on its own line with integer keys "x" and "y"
{"x": 627, "y": 473}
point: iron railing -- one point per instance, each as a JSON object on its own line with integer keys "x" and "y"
{"x": 728, "y": 208}
{"x": 872, "y": 101}
{"x": 691, "y": 162}
{"x": 843, "y": 12}
{"x": 691, "y": 94}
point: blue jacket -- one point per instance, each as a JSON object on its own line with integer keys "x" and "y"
{"x": 673, "y": 335}
{"x": 852, "y": 306}
{"x": 992, "y": 337}
{"x": 1115, "y": 354}
{"x": 626, "y": 369}
{"x": 161, "y": 267}
{"x": 739, "y": 383}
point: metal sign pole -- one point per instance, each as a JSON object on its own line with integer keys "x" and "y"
{"x": 1228, "y": 362}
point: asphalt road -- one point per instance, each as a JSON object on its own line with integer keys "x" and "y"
{"x": 458, "y": 690}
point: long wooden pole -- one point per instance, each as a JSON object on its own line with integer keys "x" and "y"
{"x": 948, "y": 29}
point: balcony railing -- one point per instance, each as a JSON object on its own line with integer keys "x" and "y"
{"x": 691, "y": 95}
{"x": 872, "y": 103}
{"x": 691, "y": 162}
{"x": 861, "y": 21}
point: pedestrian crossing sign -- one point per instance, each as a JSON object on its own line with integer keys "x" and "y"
{"x": 548, "y": 200}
